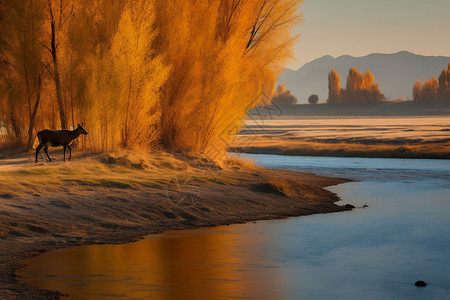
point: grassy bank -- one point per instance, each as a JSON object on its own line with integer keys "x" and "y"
{"x": 283, "y": 146}
{"x": 121, "y": 197}
{"x": 358, "y": 136}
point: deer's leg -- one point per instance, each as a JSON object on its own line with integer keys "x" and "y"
{"x": 65, "y": 148}
{"x": 46, "y": 152}
{"x": 70, "y": 152}
{"x": 38, "y": 149}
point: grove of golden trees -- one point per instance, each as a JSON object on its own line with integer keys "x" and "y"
{"x": 283, "y": 97}
{"x": 360, "y": 88}
{"x": 139, "y": 73}
{"x": 433, "y": 90}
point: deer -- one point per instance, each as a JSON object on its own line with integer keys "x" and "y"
{"x": 55, "y": 138}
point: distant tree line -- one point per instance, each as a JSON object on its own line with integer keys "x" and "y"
{"x": 360, "y": 88}
{"x": 433, "y": 90}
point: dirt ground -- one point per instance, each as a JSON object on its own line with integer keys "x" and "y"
{"x": 121, "y": 197}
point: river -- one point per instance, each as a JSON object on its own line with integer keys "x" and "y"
{"x": 377, "y": 252}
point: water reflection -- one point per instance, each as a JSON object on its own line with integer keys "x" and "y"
{"x": 204, "y": 264}
{"x": 373, "y": 253}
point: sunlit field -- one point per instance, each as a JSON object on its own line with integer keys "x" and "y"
{"x": 348, "y": 136}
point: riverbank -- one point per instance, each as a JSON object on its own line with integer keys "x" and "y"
{"x": 343, "y": 136}
{"x": 337, "y": 148}
{"x": 121, "y": 197}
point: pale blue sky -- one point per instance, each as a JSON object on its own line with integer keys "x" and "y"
{"x": 360, "y": 27}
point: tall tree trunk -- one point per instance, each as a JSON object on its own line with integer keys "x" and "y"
{"x": 125, "y": 131}
{"x": 56, "y": 78}
{"x": 71, "y": 100}
{"x": 15, "y": 126}
{"x": 33, "y": 115}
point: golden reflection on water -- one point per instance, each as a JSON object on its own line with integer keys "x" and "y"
{"x": 221, "y": 262}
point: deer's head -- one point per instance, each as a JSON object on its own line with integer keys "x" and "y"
{"x": 81, "y": 129}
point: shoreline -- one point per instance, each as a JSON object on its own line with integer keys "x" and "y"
{"x": 101, "y": 206}
{"x": 343, "y": 136}
{"x": 394, "y": 153}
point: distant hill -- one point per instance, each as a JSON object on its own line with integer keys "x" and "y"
{"x": 396, "y": 73}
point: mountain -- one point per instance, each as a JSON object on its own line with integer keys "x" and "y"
{"x": 396, "y": 73}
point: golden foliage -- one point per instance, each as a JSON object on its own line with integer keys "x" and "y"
{"x": 430, "y": 89}
{"x": 21, "y": 55}
{"x": 281, "y": 89}
{"x": 360, "y": 88}
{"x": 417, "y": 90}
{"x": 222, "y": 54}
{"x": 123, "y": 105}
{"x": 181, "y": 74}
{"x": 433, "y": 89}
{"x": 334, "y": 87}
{"x": 283, "y": 97}
{"x": 444, "y": 84}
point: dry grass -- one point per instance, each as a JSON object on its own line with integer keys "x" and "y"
{"x": 412, "y": 137}
{"x": 317, "y": 148}
{"x": 124, "y": 170}
{"x": 239, "y": 163}
{"x": 282, "y": 186}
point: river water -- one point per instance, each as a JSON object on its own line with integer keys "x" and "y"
{"x": 376, "y": 252}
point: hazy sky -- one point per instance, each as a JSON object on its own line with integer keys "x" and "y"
{"x": 360, "y": 27}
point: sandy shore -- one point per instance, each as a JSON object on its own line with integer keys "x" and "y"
{"x": 119, "y": 198}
